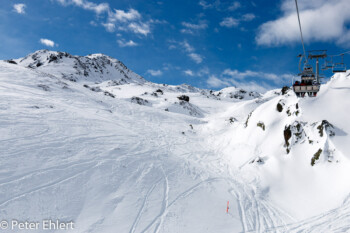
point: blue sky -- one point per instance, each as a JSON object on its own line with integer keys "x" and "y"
{"x": 208, "y": 44}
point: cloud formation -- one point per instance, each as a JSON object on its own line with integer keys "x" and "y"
{"x": 155, "y": 72}
{"x": 189, "y": 72}
{"x": 87, "y": 5}
{"x": 220, "y": 5}
{"x": 248, "y": 17}
{"x": 240, "y": 75}
{"x": 204, "y": 71}
{"x": 196, "y": 57}
{"x": 321, "y": 21}
{"x": 215, "y": 82}
{"x": 130, "y": 21}
{"x": 19, "y": 8}
{"x": 123, "y": 20}
{"x": 229, "y": 22}
{"x": 248, "y": 80}
{"x": 124, "y": 16}
{"x": 191, "y": 28}
{"x": 123, "y": 43}
{"x": 47, "y": 42}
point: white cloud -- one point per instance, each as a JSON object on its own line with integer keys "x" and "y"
{"x": 187, "y": 46}
{"x": 155, "y": 72}
{"x": 188, "y": 49}
{"x": 19, "y": 8}
{"x": 204, "y": 71}
{"x": 87, "y": 5}
{"x": 276, "y": 79}
{"x": 47, "y": 42}
{"x": 321, "y": 20}
{"x": 196, "y": 57}
{"x": 189, "y": 72}
{"x": 191, "y": 28}
{"x": 124, "y": 16}
{"x": 247, "y": 80}
{"x": 123, "y": 43}
{"x": 128, "y": 20}
{"x": 234, "y": 6}
{"x": 140, "y": 28}
{"x": 248, "y": 17}
{"x": 93, "y": 23}
{"x": 220, "y": 5}
{"x": 229, "y": 22}
{"x": 204, "y": 4}
{"x": 110, "y": 27}
{"x": 215, "y": 82}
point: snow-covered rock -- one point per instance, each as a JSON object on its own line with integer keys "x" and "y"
{"x": 237, "y": 93}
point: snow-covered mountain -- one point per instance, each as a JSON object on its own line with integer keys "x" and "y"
{"x": 94, "y": 67}
{"x": 87, "y": 140}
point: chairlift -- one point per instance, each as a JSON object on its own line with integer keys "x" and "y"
{"x": 339, "y": 68}
{"x": 308, "y": 71}
{"x": 328, "y": 64}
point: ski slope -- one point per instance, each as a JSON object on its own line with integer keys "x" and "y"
{"x": 88, "y": 151}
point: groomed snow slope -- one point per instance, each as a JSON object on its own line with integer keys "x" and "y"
{"x": 132, "y": 157}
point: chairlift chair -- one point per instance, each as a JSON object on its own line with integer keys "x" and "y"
{"x": 339, "y": 67}
{"x": 328, "y": 64}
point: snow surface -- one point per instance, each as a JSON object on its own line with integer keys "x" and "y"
{"x": 88, "y": 140}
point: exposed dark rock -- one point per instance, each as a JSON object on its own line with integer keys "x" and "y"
{"x": 287, "y": 133}
{"x": 159, "y": 91}
{"x": 316, "y": 157}
{"x": 95, "y": 89}
{"x": 232, "y": 120}
{"x": 247, "y": 121}
{"x": 52, "y": 58}
{"x": 328, "y": 127}
{"x": 279, "y": 107}
{"x": 11, "y": 62}
{"x": 284, "y": 90}
{"x": 261, "y": 125}
{"x": 184, "y": 98}
{"x": 109, "y": 94}
{"x": 139, "y": 100}
{"x": 258, "y": 160}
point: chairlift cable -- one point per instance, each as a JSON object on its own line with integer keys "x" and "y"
{"x": 301, "y": 33}
{"x": 340, "y": 54}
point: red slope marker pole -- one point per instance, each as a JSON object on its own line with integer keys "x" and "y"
{"x": 228, "y": 203}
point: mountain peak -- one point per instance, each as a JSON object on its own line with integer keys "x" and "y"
{"x": 94, "y": 67}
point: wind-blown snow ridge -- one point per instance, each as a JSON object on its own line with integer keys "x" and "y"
{"x": 86, "y": 139}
